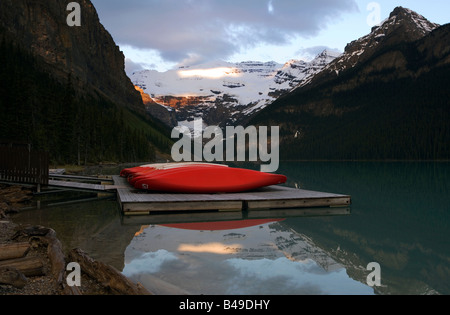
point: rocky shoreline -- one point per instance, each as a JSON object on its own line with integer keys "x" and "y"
{"x": 41, "y": 268}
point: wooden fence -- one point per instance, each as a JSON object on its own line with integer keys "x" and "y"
{"x": 20, "y": 164}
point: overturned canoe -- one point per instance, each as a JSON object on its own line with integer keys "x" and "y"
{"x": 140, "y": 172}
{"x": 206, "y": 179}
{"x": 133, "y": 171}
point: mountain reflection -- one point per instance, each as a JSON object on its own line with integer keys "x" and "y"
{"x": 264, "y": 259}
{"x": 399, "y": 218}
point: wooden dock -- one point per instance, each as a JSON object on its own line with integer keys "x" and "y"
{"x": 137, "y": 202}
{"x": 81, "y": 183}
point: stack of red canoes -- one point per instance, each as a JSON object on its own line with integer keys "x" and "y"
{"x": 198, "y": 178}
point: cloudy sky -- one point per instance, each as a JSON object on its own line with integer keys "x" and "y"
{"x": 162, "y": 34}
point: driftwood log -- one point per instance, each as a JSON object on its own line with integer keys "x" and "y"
{"x": 13, "y": 250}
{"x": 40, "y": 235}
{"x": 28, "y": 266}
{"x": 107, "y": 275}
{"x": 16, "y": 267}
{"x": 56, "y": 256}
{"x": 13, "y": 266}
{"x": 11, "y": 276}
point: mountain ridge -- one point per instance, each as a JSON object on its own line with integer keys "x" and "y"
{"x": 220, "y": 92}
{"x": 88, "y": 53}
{"x": 219, "y": 107}
{"x": 64, "y": 89}
{"x": 392, "y": 104}
{"x": 402, "y": 26}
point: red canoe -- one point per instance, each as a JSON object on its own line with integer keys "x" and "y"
{"x": 136, "y": 173}
{"x": 221, "y": 225}
{"x": 204, "y": 179}
{"x": 133, "y": 171}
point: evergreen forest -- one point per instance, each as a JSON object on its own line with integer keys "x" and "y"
{"x": 403, "y": 119}
{"x": 74, "y": 129}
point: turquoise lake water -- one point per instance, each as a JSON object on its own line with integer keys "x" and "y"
{"x": 399, "y": 219}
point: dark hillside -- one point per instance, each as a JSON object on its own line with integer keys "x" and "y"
{"x": 395, "y": 105}
{"x": 64, "y": 89}
{"x": 38, "y": 109}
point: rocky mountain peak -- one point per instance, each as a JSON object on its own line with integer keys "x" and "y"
{"x": 394, "y": 79}
{"x": 402, "y": 26}
{"x": 408, "y": 21}
{"x": 327, "y": 53}
{"x": 408, "y": 16}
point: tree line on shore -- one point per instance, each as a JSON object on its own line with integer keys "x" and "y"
{"x": 404, "y": 119}
{"x": 73, "y": 128}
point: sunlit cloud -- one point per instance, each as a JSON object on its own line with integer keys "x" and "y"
{"x": 213, "y": 73}
{"x": 214, "y": 248}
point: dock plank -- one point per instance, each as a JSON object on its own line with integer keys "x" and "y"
{"x": 134, "y": 201}
{"x": 80, "y": 178}
{"x": 77, "y": 186}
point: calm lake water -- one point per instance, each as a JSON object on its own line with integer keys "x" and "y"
{"x": 399, "y": 218}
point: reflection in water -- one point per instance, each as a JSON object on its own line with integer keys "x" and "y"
{"x": 94, "y": 227}
{"x": 399, "y": 218}
{"x": 149, "y": 262}
{"x": 214, "y": 248}
{"x": 263, "y": 259}
{"x": 283, "y": 276}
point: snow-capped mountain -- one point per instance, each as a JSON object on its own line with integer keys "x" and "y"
{"x": 402, "y": 26}
{"x": 383, "y": 98}
{"x": 221, "y": 92}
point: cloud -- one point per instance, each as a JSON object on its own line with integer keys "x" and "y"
{"x": 214, "y": 29}
{"x": 150, "y": 262}
{"x": 132, "y": 66}
{"x": 260, "y": 276}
